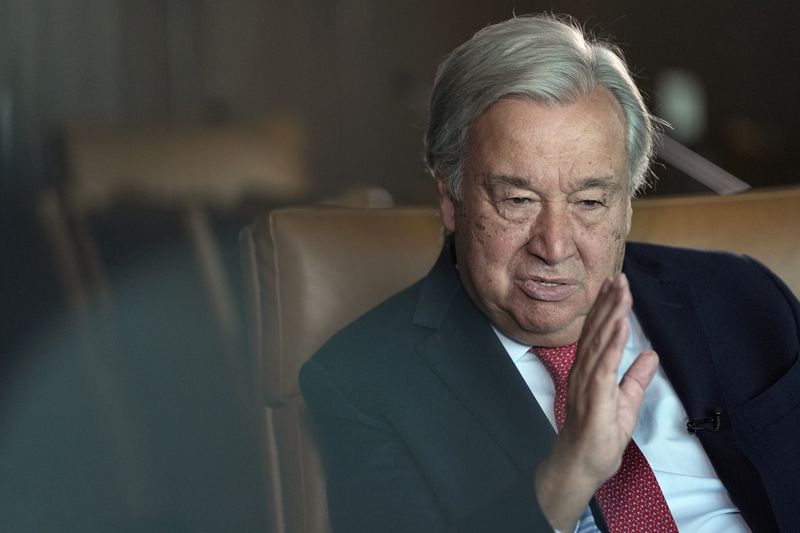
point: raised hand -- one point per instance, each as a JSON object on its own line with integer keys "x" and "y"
{"x": 601, "y": 414}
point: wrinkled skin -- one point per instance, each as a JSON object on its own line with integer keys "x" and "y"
{"x": 545, "y": 200}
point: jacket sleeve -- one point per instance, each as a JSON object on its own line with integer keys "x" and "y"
{"x": 374, "y": 483}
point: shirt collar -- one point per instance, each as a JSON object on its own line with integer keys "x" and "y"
{"x": 519, "y": 352}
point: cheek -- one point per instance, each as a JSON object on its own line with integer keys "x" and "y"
{"x": 619, "y": 243}
{"x": 482, "y": 232}
{"x": 617, "y": 238}
{"x": 610, "y": 251}
{"x": 602, "y": 248}
{"x": 491, "y": 247}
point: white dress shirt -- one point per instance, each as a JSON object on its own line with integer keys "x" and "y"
{"x": 696, "y": 497}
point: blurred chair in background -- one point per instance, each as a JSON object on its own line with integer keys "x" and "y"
{"x": 146, "y": 380}
{"x": 364, "y": 196}
{"x": 186, "y": 171}
{"x": 189, "y": 173}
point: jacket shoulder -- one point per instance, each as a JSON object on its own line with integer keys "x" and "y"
{"x": 382, "y": 324}
{"x": 717, "y": 267}
{"x": 649, "y": 254}
{"x": 376, "y": 347}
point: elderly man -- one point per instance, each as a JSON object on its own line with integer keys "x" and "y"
{"x": 516, "y": 387}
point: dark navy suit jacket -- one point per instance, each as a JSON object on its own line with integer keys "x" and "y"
{"x": 426, "y": 425}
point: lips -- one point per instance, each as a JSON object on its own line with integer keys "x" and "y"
{"x": 548, "y": 290}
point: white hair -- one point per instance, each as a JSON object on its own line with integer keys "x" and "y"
{"x": 544, "y": 58}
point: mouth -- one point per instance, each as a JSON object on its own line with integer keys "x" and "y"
{"x": 548, "y": 290}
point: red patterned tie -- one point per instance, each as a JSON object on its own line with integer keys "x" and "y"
{"x": 631, "y": 499}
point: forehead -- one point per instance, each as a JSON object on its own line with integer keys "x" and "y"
{"x": 523, "y": 138}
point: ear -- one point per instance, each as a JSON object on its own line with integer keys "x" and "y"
{"x": 628, "y": 216}
{"x": 447, "y": 206}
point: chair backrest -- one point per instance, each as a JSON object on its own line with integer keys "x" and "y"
{"x": 309, "y": 272}
{"x": 174, "y": 165}
{"x": 763, "y": 224}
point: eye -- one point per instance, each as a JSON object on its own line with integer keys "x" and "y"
{"x": 519, "y": 200}
{"x": 516, "y": 208}
{"x": 591, "y": 203}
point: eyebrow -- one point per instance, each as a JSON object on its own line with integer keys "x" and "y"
{"x": 609, "y": 184}
{"x": 507, "y": 181}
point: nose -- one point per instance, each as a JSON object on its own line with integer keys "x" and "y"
{"x": 552, "y": 234}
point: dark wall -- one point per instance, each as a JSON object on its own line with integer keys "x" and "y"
{"x": 357, "y": 73}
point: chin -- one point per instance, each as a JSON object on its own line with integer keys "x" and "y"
{"x": 554, "y": 331}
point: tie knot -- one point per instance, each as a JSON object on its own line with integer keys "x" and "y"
{"x": 557, "y": 360}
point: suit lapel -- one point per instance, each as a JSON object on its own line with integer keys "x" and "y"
{"x": 667, "y": 310}
{"x": 468, "y": 357}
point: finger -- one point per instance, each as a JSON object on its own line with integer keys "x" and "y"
{"x": 638, "y": 377}
{"x": 611, "y": 355}
{"x": 596, "y": 379}
{"x": 624, "y": 298}
{"x": 594, "y": 331}
{"x": 613, "y": 302}
{"x": 611, "y": 305}
{"x": 603, "y": 303}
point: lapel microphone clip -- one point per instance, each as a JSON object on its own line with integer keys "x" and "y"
{"x": 710, "y": 423}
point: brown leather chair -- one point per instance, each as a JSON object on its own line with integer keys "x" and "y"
{"x": 309, "y": 272}
{"x": 764, "y": 224}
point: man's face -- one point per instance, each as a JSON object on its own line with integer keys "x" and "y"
{"x": 544, "y": 215}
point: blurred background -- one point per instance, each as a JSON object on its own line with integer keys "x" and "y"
{"x": 138, "y": 137}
